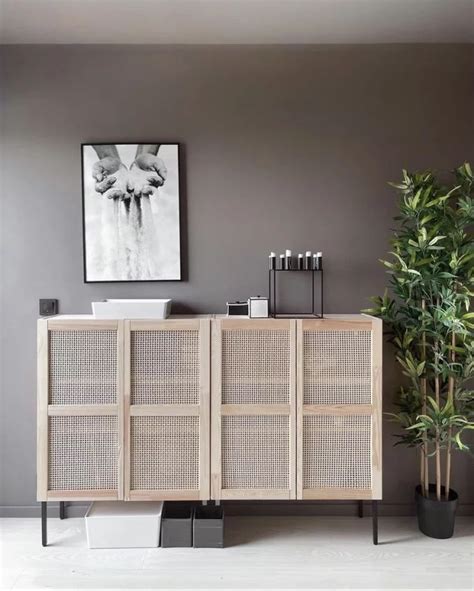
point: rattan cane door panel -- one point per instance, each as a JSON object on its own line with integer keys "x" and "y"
{"x": 80, "y": 396}
{"x": 339, "y": 408}
{"x": 167, "y": 409}
{"x": 164, "y": 453}
{"x": 83, "y": 453}
{"x": 255, "y": 366}
{"x": 337, "y": 366}
{"x": 165, "y": 366}
{"x": 255, "y": 452}
{"x": 83, "y": 367}
{"x": 337, "y": 452}
{"x": 253, "y": 438}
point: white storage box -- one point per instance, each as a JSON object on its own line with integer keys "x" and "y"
{"x": 258, "y": 307}
{"x": 131, "y": 309}
{"x": 119, "y": 524}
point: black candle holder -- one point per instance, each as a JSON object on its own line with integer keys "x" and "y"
{"x": 272, "y": 293}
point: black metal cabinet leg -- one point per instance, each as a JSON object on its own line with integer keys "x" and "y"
{"x": 375, "y": 522}
{"x": 62, "y": 510}
{"x": 360, "y": 508}
{"x": 44, "y": 523}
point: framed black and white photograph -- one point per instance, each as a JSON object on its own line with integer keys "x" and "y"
{"x": 131, "y": 212}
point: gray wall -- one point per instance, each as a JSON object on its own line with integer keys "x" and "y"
{"x": 283, "y": 147}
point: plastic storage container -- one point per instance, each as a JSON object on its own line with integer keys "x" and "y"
{"x": 208, "y": 527}
{"x": 119, "y": 524}
{"x": 177, "y": 525}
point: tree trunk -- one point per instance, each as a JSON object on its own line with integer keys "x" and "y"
{"x": 450, "y": 430}
{"x": 422, "y": 470}
{"x": 427, "y": 473}
{"x": 425, "y": 481}
{"x": 448, "y": 469}
{"x": 438, "y": 469}
{"x": 437, "y": 448}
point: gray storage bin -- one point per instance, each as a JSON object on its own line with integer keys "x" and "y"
{"x": 177, "y": 525}
{"x": 208, "y": 527}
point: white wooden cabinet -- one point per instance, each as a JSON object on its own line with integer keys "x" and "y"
{"x": 209, "y": 408}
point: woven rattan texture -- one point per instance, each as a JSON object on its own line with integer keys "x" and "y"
{"x": 255, "y": 367}
{"x": 336, "y": 452}
{"x": 83, "y": 367}
{"x": 165, "y": 453}
{"x": 165, "y": 367}
{"x": 337, "y": 367}
{"x": 83, "y": 453}
{"x": 255, "y": 452}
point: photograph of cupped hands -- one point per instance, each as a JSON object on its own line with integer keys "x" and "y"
{"x": 116, "y": 181}
{"x": 131, "y": 212}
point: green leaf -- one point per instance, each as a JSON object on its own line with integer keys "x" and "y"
{"x": 459, "y": 443}
{"x": 397, "y": 186}
{"x": 434, "y": 404}
{"x": 427, "y": 219}
{"x": 416, "y": 199}
{"x": 415, "y": 426}
{"x": 436, "y": 239}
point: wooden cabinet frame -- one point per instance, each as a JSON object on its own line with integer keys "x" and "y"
{"x": 201, "y": 410}
{"x": 46, "y": 410}
{"x": 211, "y": 410}
{"x": 374, "y": 409}
{"x": 220, "y": 410}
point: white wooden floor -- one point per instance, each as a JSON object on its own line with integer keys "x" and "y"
{"x": 261, "y": 553}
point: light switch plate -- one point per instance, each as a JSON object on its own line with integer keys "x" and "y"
{"x": 48, "y": 307}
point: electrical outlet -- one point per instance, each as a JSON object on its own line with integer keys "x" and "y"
{"x": 48, "y": 307}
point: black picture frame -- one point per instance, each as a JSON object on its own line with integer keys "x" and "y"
{"x": 181, "y": 213}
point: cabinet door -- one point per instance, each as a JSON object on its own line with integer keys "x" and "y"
{"x": 253, "y": 447}
{"x": 79, "y": 410}
{"x": 339, "y": 409}
{"x": 167, "y": 409}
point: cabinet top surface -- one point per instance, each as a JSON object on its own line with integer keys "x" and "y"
{"x": 89, "y": 317}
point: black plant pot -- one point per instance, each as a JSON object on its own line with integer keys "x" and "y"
{"x": 436, "y": 518}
